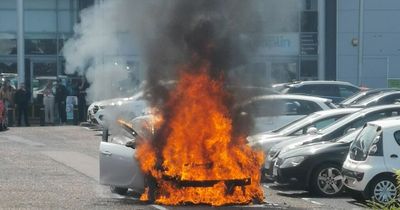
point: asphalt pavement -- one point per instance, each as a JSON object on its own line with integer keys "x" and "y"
{"x": 57, "y": 167}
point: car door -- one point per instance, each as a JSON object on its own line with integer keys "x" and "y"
{"x": 119, "y": 168}
{"x": 391, "y": 150}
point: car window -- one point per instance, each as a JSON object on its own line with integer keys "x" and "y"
{"x": 266, "y": 107}
{"x": 346, "y": 91}
{"x": 390, "y": 99}
{"x": 300, "y": 107}
{"x": 397, "y": 137}
{"x": 320, "y": 124}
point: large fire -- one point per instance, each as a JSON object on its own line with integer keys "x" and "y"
{"x": 198, "y": 160}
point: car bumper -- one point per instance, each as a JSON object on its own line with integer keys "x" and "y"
{"x": 293, "y": 175}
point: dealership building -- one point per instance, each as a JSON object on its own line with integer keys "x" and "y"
{"x": 349, "y": 40}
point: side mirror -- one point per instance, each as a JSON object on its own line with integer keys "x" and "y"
{"x": 312, "y": 130}
{"x": 131, "y": 144}
{"x": 350, "y": 130}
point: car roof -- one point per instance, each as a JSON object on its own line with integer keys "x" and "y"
{"x": 317, "y": 82}
{"x": 337, "y": 111}
{"x": 290, "y": 96}
{"x": 387, "y": 123}
{"x": 376, "y": 97}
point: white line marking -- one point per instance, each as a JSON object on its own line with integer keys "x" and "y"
{"x": 311, "y": 201}
{"x": 23, "y": 140}
{"x": 159, "y": 207}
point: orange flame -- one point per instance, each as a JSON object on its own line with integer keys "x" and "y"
{"x": 199, "y": 148}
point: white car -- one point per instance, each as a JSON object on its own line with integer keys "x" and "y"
{"x": 274, "y": 111}
{"x": 118, "y": 167}
{"x": 370, "y": 166}
{"x": 100, "y": 112}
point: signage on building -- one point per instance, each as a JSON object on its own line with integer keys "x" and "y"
{"x": 279, "y": 44}
{"x": 394, "y": 83}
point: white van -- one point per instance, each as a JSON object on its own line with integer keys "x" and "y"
{"x": 373, "y": 158}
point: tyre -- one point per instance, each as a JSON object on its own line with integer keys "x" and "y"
{"x": 119, "y": 190}
{"x": 383, "y": 189}
{"x": 327, "y": 180}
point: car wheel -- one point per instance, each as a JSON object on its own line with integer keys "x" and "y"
{"x": 383, "y": 189}
{"x": 327, "y": 180}
{"x": 119, "y": 190}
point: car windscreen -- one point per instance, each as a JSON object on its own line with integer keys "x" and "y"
{"x": 297, "y": 123}
{"x": 349, "y": 137}
{"x": 361, "y": 145}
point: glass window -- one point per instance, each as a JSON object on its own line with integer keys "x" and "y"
{"x": 8, "y": 4}
{"x": 300, "y": 107}
{"x": 41, "y": 46}
{"x": 284, "y": 71}
{"x": 309, "y": 69}
{"x": 346, "y": 91}
{"x": 40, "y": 4}
{"x": 309, "y": 21}
{"x": 310, "y": 5}
{"x": 44, "y": 69}
{"x": 8, "y": 46}
{"x": 8, "y": 67}
{"x": 397, "y": 137}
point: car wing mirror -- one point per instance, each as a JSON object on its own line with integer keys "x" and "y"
{"x": 312, "y": 130}
{"x": 131, "y": 144}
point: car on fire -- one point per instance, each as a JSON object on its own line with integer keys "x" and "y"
{"x": 118, "y": 167}
{"x": 369, "y": 169}
{"x": 274, "y": 111}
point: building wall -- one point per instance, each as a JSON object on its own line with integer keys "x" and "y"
{"x": 381, "y": 54}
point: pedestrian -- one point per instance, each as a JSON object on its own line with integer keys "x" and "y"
{"x": 82, "y": 99}
{"x": 7, "y": 96}
{"x": 60, "y": 98}
{"x": 21, "y": 99}
{"x": 48, "y": 102}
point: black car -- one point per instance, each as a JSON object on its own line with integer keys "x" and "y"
{"x": 315, "y": 167}
{"x": 337, "y": 91}
{"x": 363, "y": 95}
{"x": 381, "y": 99}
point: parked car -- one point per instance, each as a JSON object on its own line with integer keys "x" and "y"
{"x": 315, "y": 167}
{"x": 118, "y": 167}
{"x": 305, "y": 125}
{"x": 371, "y": 163}
{"x": 273, "y": 111}
{"x": 336, "y": 130}
{"x": 363, "y": 95}
{"x": 337, "y": 91}
{"x": 100, "y": 111}
{"x": 381, "y": 99}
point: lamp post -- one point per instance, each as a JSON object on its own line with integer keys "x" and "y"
{"x": 20, "y": 42}
{"x": 360, "y": 40}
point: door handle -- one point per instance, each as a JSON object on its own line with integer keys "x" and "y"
{"x": 107, "y": 153}
{"x": 394, "y": 156}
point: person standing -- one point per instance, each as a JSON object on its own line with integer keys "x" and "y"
{"x": 48, "y": 102}
{"x": 60, "y": 98}
{"x": 7, "y": 96}
{"x": 82, "y": 99}
{"x": 22, "y": 98}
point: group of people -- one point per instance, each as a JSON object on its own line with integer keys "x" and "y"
{"x": 20, "y": 99}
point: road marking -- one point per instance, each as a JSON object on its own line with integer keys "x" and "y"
{"x": 311, "y": 201}
{"x": 78, "y": 161}
{"x": 159, "y": 207}
{"x": 23, "y": 141}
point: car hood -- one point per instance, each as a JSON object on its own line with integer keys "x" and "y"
{"x": 266, "y": 143}
{"x": 315, "y": 148}
{"x": 264, "y": 136}
{"x": 293, "y": 143}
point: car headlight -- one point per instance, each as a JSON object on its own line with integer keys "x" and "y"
{"x": 292, "y": 162}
